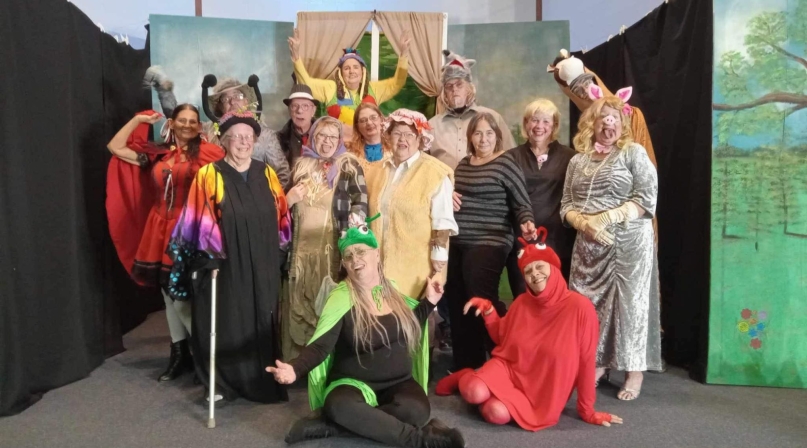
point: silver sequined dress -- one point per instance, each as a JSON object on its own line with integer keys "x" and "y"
{"x": 621, "y": 280}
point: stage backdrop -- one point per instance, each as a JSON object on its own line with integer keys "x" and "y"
{"x": 410, "y": 97}
{"x": 758, "y": 315}
{"x": 510, "y": 71}
{"x": 188, "y": 48}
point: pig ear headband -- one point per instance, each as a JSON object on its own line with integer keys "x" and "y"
{"x": 624, "y": 94}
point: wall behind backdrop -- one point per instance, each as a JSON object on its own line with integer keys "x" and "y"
{"x": 591, "y": 20}
{"x": 126, "y": 16}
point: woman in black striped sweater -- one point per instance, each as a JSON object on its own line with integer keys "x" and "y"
{"x": 489, "y": 194}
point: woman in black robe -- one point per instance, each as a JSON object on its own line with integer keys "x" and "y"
{"x": 235, "y": 224}
{"x": 544, "y": 161}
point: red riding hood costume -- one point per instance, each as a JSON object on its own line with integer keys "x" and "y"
{"x": 143, "y": 202}
{"x": 545, "y": 348}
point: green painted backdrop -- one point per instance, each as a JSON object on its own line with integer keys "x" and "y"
{"x": 410, "y": 97}
{"x": 758, "y": 313}
{"x": 510, "y": 71}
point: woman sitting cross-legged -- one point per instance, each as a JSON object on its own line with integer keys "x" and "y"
{"x": 545, "y": 348}
{"x": 367, "y": 362}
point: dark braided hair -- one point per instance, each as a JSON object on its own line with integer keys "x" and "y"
{"x": 195, "y": 143}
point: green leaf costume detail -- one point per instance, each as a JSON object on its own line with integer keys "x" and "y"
{"x": 336, "y": 307}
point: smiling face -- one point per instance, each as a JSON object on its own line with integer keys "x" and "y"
{"x": 404, "y": 139}
{"x": 352, "y": 73}
{"x": 302, "y": 111}
{"x": 483, "y": 139}
{"x": 186, "y": 125}
{"x": 456, "y": 93}
{"x": 540, "y": 127}
{"x": 239, "y": 142}
{"x": 536, "y": 275}
{"x": 361, "y": 263}
{"x": 369, "y": 124}
{"x": 326, "y": 139}
{"x": 608, "y": 126}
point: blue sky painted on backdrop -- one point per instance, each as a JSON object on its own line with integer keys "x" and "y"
{"x": 730, "y": 28}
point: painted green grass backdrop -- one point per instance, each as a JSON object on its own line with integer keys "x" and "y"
{"x": 758, "y": 312}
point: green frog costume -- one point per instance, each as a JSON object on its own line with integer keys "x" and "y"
{"x": 338, "y": 304}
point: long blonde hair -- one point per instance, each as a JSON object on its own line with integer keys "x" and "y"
{"x": 308, "y": 171}
{"x": 365, "y": 322}
{"x": 584, "y": 140}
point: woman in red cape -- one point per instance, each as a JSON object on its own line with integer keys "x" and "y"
{"x": 545, "y": 348}
{"x": 146, "y": 189}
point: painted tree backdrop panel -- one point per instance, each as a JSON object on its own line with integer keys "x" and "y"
{"x": 758, "y": 313}
{"x": 510, "y": 70}
{"x": 188, "y": 48}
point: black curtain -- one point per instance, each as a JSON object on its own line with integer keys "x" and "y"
{"x": 667, "y": 58}
{"x": 65, "y": 299}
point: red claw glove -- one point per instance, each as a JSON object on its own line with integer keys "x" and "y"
{"x": 599, "y": 417}
{"x": 483, "y": 306}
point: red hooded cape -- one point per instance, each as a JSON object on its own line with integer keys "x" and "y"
{"x": 130, "y": 195}
{"x": 130, "y": 199}
{"x": 545, "y": 348}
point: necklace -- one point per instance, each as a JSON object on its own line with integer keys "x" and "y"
{"x": 541, "y": 158}
{"x": 593, "y": 178}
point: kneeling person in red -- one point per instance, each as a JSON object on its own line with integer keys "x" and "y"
{"x": 545, "y": 348}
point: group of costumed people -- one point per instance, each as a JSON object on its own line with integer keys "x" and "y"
{"x": 334, "y": 239}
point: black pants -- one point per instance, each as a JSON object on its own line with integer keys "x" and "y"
{"x": 473, "y": 271}
{"x": 402, "y": 410}
{"x": 514, "y": 275}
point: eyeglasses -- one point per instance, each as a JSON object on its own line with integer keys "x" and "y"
{"x": 374, "y": 119}
{"x": 227, "y": 100}
{"x": 405, "y": 135}
{"x": 241, "y": 137}
{"x": 323, "y": 137}
{"x": 302, "y": 107}
{"x": 456, "y": 85}
{"x": 355, "y": 254}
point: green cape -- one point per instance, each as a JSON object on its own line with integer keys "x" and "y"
{"x": 336, "y": 307}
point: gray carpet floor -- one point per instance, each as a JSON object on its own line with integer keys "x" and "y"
{"x": 121, "y": 405}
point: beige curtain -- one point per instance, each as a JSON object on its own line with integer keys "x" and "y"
{"x": 325, "y": 34}
{"x": 425, "y": 50}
